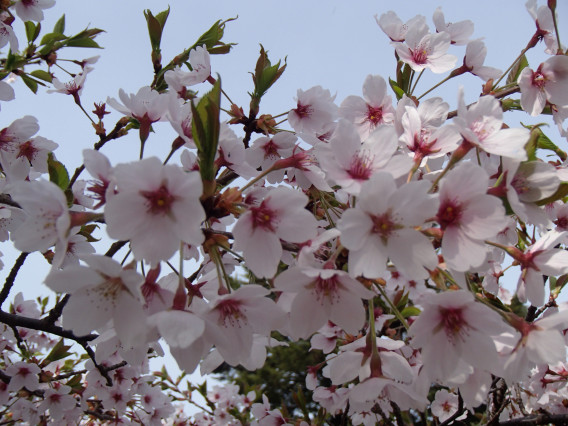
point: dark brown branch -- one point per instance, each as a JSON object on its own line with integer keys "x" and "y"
{"x": 12, "y": 277}
{"x": 74, "y": 373}
{"x": 115, "y": 247}
{"x": 538, "y": 419}
{"x": 458, "y": 413}
{"x": 114, "y": 134}
{"x": 57, "y": 310}
{"x": 6, "y": 199}
{"x": 14, "y": 320}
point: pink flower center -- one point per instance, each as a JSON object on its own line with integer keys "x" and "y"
{"x": 27, "y": 150}
{"x": 449, "y": 214}
{"x": 6, "y": 139}
{"x": 562, "y": 222}
{"x": 520, "y": 184}
{"x": 453, "y": 322}
{"x": 374, "y": 114}
{"x": 360, "y": 167}
{"x": 271, "y": 150}
{"x": 327, "y": 288}
{"x": 538, "y": 79}
{"x": 420, "y": 55}
{"x": 230, "y": 313}
{"x": 383, "y": 225}
{"x": 304, "y": 111}
{"x": 263, "y": 217}
{"x": 159, "y": 201}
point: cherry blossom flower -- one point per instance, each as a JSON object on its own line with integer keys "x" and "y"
{"x": 265, "y": 151}
{"x": 480, "y": 124}
{"x": 468, "y": 216}
{"x": 548, "y": 83}
{"x": 47, "y": 221}
{"x": 157, "y": 207}
{"x": 147, "y": 106}
{"x": 57, "y": 401}
{"x": 280, "y": 215}
{"x": 544, "y": 26}
{"x": 445, "y": 405}
{"x": 73, "y": 87}
{"x": 372, "y": 111}
{"x": 475, "y": 54}
{"x": 422, "y": 50}
{"x": 540, "y": 259}
{"x": 314, "y": 110}
{"x": 349, "y": 162}
{"x": 6, "y": 91}
{"x": 23, "y": 374}
{"x": 7, "y": 34}
{"x": 322, "y": 295}
{"x": 200, "y": 62}
{"x": 459, "y": 31}
{"x": 22, "y": 156}
{"x": 233, "y": 319}
{"x": 453, "y": 327}
{"x": 101, "y": 292}
{"x": 382, "y": 226}
{"x": 32, "y": 10}
{"x": 98, "y": 165}
{"x": 394, "y": 28}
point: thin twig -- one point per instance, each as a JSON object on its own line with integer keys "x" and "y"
{"x": 12, "y": 277}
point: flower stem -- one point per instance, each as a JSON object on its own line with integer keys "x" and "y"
{"x": 435, "y": 86}
{"x": 394, "y": 309}
{"x": 510, "y": 67}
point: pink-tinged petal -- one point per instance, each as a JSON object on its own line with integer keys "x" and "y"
{"x": 413, "y": 204}
{"x": 180, "y": 329}
{"x": 348, "y": 313}
{"x": 483, "y": 218}
{"x": 73, "y": 278}
{"x": 307, "y": 315}
{"x": 355, "y": 227}
{"x": 262, "y": 252}
{"x": 121, "y": 224}
{"x": 533, "y": 98}
{"x": 369, "y": 261}
{"x": 345, "y": 143}
{"x": 86, "y": 312}
{"x": 396, "y": 367}
{"x": 342, "y": 372}
{"x": 508, "y": 143}
{"x": 154, "y": 247}
{"x": 460, "y": 252}
{"x": 479, "y": 350}
{"x": 374, "y": 90}
{"x": 129, "y": 320}
{"x": 552, "y": 262}
{"x": 354, "y": 109}
{"x": 412, "y": 253}
{"x": 375, "y": 193}
{"x": 297, "y": 228}
{"x": 546, "y": 346}
{"x": 534, "y": 287}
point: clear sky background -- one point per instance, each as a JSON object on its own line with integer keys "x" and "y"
{"x": 335, "y": 44}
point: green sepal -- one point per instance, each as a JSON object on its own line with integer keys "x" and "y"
{"x": 410, "y": 311}
{"x": 560, "y": 194}
{"x": 57, "y": 172}
{"x": 205, "y": 127}
{"x": 515, "y": 72}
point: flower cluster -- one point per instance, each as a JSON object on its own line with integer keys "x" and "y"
{"x": 378, "y": 227}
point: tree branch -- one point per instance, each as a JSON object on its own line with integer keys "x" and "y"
{"x": 12, "y": 277}
{"x": 538, "y": 419}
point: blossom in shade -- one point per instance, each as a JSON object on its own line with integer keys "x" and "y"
{"x": 157, "y": 207}
{"x": 445, "y": 405}
{"x": 7, "y": 34}
{"x": 279, "y": 216}
{"x": 101, "y": 292}
{"x": 23, "y": 374}
{"x": 454, "y": 327}
{"x": 322, "y": 295}
{"x": 382, "y": 227}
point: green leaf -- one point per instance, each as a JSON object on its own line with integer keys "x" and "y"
{"x": 32, "y": 30}
{"x": 410, "y": 311}
{"x": 560, "y": 194}
{"x": 83, "y": 42}
{"x": 57, "y": 172}
{"x": 52, "y": 38}
{"x": 42, "y": 75}
{"x": 265, "y": 75}
{"x": 544, "y": 142}
{"x": 205, "y": 126}
{"x": 58, "y": 352}
{"x": 60, "y": 25}
{"x": 30, "y": 82}
{"x": 403, "y": 78}
{"x": 515, "y": 72}
{"x": 396, "y": 89}
{"x": 212, "y": 37}
{"x": 156, "y": 27}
